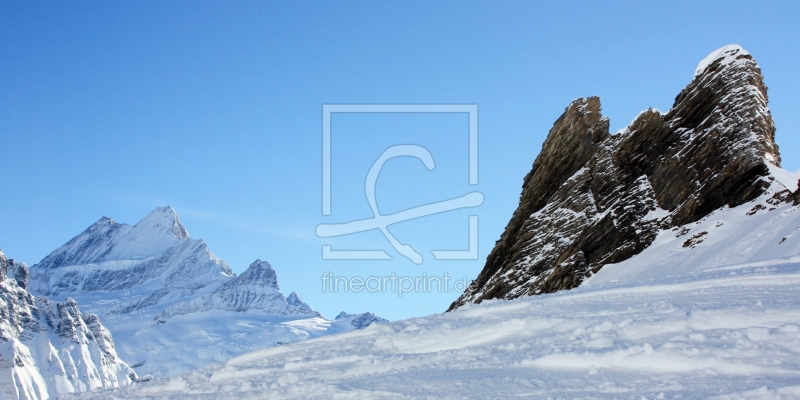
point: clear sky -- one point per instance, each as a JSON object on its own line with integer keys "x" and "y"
{"x": 215, "y": 108}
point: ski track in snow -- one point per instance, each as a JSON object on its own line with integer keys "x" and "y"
{"x": 718, "y": 337}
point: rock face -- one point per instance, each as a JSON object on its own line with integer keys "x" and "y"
{"x": 50, "y": 348}
{"x": 256, "y": 289}
{"x": 593, "y": 198}
{"x": 294, "y": 300}
{"x": 360, "y": 321}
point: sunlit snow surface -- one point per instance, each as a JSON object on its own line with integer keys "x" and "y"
{"x": 171, "y": 305}
{"x": 717, "y": 320}
{"x": 729, "y": 53}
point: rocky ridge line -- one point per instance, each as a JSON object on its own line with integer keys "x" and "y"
{"x": 593, "y": 198}
{"x": 50, "y": 348}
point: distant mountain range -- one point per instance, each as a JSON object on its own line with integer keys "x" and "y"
{"x": 171, "y": 305}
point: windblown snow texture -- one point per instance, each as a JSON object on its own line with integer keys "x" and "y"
{"x": 593, "y": 198}
{"x": 693, "y": 316}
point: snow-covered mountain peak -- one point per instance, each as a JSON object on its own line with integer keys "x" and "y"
{"x": 300, "y": 306}
{"x": 151, "y": 236}
{"x": 107, "y": 240}
{"x": 343, "y": 315}
{"x": 171, "y": 303}
{"x": 727, "y": 54}
{"x": 162, "y": 221}
{"x": 294, "y": 299}
{"x": 156, "y": 255}
{"x": 260, "y": 273}
{"x": 103, "y": 221}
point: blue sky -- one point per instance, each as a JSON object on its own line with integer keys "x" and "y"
{"x": 114, "y": 108}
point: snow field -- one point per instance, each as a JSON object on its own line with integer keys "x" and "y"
{"x": 734, "y": 336}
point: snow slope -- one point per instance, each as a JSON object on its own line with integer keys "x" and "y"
{"x": 717, "y": 318}
{"x": 759, "y": 234}
{"x": 724, "y": 336}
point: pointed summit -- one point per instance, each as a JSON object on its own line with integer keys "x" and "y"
{"x": 728, "y": 99}
{"x": 295, "y": 300}
{"x": 106, "y": 240}
{"x": 158, "y": 231}
{"x": 162, "y": 221}
{"x": 92, "y": 245}
{"x": 259, "y": 273}
{"x": 726, "y": 55}
{"x": 300, "y": 306}
{"x": 593, "y": 199}
{"x": 343, "y": 315}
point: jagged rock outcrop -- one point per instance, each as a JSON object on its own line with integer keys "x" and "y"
{"x": 593, "y": 198}
{"x": 293, "y": 299}
{"x": 256, "y": 289}
{"x": 50, "y": 348}
{"x": 360, "y": 321}
{"x": 18, "y": 271}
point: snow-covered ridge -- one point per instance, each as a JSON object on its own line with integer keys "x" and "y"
{"x": 728, "y": 54}
{"x": 256, "y": 289}
{"x": 107, "y": 240}
{"x": 51, "y": 348}
{"x": 172, "y": 305}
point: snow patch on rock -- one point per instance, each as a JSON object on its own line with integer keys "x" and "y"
{"x": 728, "y": 54}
